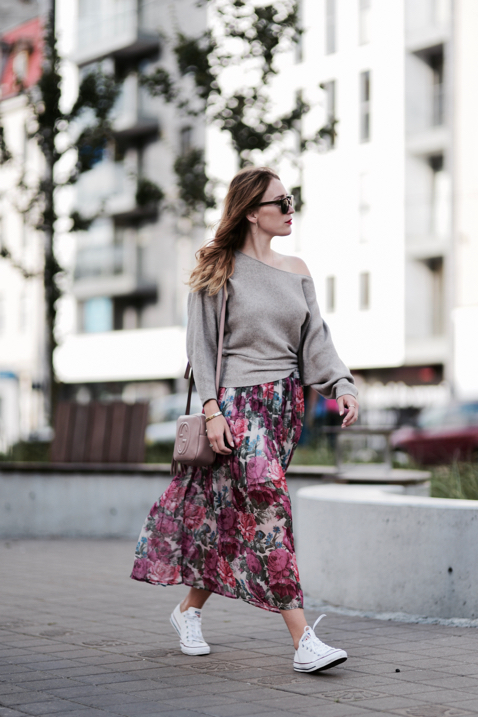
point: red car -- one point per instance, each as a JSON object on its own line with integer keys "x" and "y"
{"x": 441, "y": 435}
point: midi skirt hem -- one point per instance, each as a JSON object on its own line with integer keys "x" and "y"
{"x": 254, "y": 603}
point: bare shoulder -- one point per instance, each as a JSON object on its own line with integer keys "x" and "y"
{"x": 295, "y": 265}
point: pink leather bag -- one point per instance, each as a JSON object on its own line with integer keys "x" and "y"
{"x": 191, "y": 446}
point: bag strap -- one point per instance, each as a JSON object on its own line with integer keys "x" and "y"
{"x": 189, "y": 373}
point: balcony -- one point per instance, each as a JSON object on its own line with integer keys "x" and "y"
{"x": 110, "y": 270}
{"x": 112, "y": 186}
{"x": 427, "y": 23}
{"x": 134, "y": 113}
{"x": 109, "y": 30}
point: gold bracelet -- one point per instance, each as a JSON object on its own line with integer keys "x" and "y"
{"x": 209, "y": 418}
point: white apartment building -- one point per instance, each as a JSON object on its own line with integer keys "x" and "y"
{"x": 127, "y": 335}
{"x": 21, "y": 299}
{"x": 389, "y": 221}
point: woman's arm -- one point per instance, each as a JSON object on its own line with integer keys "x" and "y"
{"x": 201, "y": 343}
{"x": 321, "y": 366}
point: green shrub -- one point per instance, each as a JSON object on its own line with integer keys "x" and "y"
{"x": 159, "y": 453}
{"x": 459, "y": 480}
{"x": 34, "y": 451}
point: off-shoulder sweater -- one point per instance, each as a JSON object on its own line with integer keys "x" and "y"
{"x": 273, "y": 326}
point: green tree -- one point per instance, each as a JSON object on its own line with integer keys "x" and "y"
{"x": 86, "y": 129}
{"x": 244, "y": 34}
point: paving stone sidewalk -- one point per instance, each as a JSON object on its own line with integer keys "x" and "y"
{"x": 78, "y": 638}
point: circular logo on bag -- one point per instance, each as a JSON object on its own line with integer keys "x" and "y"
{"x": 183, "y": 438}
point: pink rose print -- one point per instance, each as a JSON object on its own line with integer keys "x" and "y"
{"x": 256, "y": 469}
{"x": 164, "y": 573}
{"x": 210, "y": 565}
{"x": 284, "y": 589}
{"x": 247, "y": 526}
{"x": 172, "y": 497}
{"x": 268, "y": 391}
{"x": 253, "y": 563}
{"x": 277, "y": 475}
{"x": 299, "y": 402}
{"x": 140, "y": 568}
{"x": 166, "y": 524}
{"x": 295, "y": 568}
{"x": 238, "y": 430}
{"x": 278, "y": 564}
{"x": 194, "y": 515}
{"x": 225, "y": 571}
{"x": 227, "y": 521}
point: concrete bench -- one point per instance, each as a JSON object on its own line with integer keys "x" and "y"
{"x": 376, "y": 548}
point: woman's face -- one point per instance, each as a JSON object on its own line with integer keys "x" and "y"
{"x": 270, "y": 219}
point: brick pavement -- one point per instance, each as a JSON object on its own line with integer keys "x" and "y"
{"x": 78, "y": 638}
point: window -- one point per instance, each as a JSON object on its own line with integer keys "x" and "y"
{"x": 365, "y": 106}
{"x": 186, "y": 140}
{"x": 438, "y": 109}
{"x": 297, "y": 194}
{"x": 299, "y": 103}
{"x": 23, "y": 312}
{"x": 330, "y": 109}
{"x": 330, "y": 294}
{"x": 20, "y": 65}
{"x": 364, "y": 21}
{"x": 98, "y": 315}
{"x": 330, "y": 26}
{"x": 364, "y": 299}
{"x": 364, "y": 207}
{"x": 437, "y": 295}
{"x": 440, "y": 207}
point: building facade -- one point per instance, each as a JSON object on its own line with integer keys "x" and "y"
{"x": 21, "y": 298}
{"x": 131, "y": 265}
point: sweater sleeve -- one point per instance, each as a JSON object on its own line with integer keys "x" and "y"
{"x": 201, "y": 341}
{"x": 320, "y": 365}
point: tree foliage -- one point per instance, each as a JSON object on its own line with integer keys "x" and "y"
{"x": 86, "y": 127}
{"x": 247, "y": 35}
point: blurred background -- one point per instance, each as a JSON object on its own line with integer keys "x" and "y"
{"x": 122, "y": 121}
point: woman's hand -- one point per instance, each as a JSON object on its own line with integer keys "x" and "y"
{"x": 218, "y": 429}
{"x": 350, "y": 404}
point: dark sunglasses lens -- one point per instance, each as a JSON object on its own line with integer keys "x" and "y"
{"x": 285, "y": 204}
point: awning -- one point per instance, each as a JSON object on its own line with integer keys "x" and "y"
{"x": 139, "y": 355}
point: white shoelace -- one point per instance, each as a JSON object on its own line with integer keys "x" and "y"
{"x": 193, "y": 627}
{"x": 316, "y": 645}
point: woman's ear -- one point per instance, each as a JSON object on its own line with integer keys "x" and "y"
{"x": 252, "y": 217}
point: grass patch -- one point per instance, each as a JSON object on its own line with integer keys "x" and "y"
{"x": 318, "y": 453}
{"x": 458, "y": 480}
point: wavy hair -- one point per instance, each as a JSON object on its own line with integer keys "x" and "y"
{"x": 215, "y": 260}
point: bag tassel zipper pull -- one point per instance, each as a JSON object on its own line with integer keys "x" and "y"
{"x": 174, "y": 467}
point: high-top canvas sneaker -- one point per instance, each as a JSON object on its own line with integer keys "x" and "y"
{"x": 188, "y": 626}
{"x": 313, "y": 654}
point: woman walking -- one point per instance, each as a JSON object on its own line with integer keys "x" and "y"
{"x": 227, "y": 528}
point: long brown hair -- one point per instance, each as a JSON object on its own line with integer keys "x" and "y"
{"x": 215, "y": 260}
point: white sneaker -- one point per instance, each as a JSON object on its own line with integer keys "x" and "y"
{"x": 312, "y": 654}
{"x": 188, "y": 626}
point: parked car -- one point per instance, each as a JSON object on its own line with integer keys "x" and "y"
{"x": 163, "y": 414}
{"x": 441, "y": 434}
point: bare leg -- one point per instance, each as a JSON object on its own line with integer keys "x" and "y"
{"x": 195, "y": 598}
{"x": 295, "y": 621}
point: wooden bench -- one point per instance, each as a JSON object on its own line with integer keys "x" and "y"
{"x": 99, "y": 432}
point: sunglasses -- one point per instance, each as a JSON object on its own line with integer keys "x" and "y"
{"x": 284, "y": 204}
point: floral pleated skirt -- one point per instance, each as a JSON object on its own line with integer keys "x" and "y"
{"x": 227, "y": 528}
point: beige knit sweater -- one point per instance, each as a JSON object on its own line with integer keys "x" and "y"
{"x": 273, "y": 325}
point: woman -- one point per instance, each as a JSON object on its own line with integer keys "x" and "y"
{"x": 227, "y": 528}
